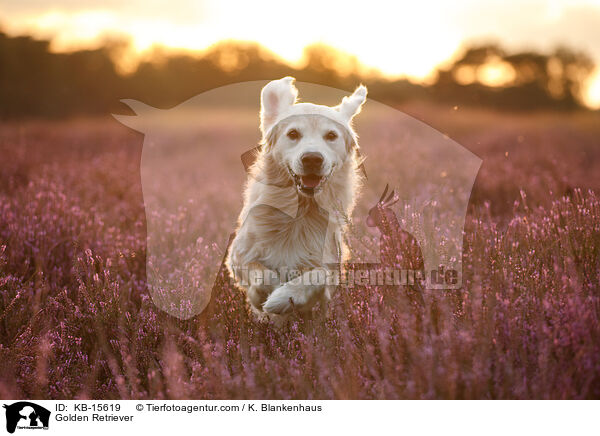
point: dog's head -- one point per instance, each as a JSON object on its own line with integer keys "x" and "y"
{"x": 309, "y": 141}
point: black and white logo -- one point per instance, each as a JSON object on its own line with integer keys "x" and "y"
{"x": 26, "y": 415}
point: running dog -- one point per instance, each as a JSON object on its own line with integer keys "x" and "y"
{"x": 299, "y": 195}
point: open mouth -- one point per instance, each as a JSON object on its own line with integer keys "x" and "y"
{"x": 308, "y": 184}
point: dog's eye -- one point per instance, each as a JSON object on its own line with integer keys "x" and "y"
{"x": 331, "y": 136}
{"x": 293, "y": 134}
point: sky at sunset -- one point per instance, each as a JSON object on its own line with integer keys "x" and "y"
{"x": 398, "y": 38}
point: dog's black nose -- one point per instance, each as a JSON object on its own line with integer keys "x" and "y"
{"x": 312, "y": 162}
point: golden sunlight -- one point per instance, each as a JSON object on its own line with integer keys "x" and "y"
{"x": 408, "y": 40}
{"x": 591, "y": 95}
{"x": 285, "y": 35}
{"x": 496, "y": 73}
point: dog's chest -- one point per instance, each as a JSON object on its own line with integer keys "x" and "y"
{"x": 291, "y": 242}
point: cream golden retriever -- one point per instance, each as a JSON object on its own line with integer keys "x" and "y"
{"x": 300, "y": 192}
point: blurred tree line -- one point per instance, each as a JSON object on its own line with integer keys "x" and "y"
{"x": 37, "y": 82}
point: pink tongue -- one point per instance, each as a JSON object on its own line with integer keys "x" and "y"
{"x": 311, "y": 180}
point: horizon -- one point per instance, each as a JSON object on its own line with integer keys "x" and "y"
{"x": 195, "y": 27}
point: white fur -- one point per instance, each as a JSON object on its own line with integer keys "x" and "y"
{"x": 279, "y": 226}
{"x": 278, "y": 102}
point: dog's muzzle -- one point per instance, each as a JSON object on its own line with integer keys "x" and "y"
{"x": 309, "y": 184}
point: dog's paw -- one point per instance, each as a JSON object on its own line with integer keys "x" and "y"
{"x": 284, "y": 299}
{"x": 257, "y": 295}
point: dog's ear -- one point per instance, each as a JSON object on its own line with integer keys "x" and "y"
{"x": 351, "y": 106}
{"x": 276, "y": 97}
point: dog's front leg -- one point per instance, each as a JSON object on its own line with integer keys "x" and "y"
{"x": 300, "y": 293}
{"x": 259, "y": 282}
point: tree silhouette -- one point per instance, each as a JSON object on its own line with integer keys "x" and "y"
{"x": 37, "y": 82}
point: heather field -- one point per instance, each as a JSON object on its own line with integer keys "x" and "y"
{"x": 77, "y": 319}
